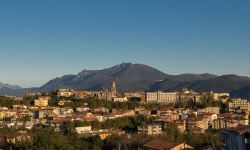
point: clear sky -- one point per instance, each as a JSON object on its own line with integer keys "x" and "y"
{"x": 40, "y": 40}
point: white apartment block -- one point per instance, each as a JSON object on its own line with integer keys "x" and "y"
{"x": 161, "y": 97}
{"x": 150, "y": 129}
{"x": 65, "y": 93}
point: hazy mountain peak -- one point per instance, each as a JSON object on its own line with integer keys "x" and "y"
{"x": 4, "y": 85}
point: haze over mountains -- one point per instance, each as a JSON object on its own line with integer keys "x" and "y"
{"x": 139, "y": 77}
{"x": 2, "y": 85}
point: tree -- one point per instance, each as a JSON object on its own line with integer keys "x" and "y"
{"x": 173, "y": 132}
{"x": 96, "y": 125}
{"x": 46, "y": 139}
{"x": 25, "y": 118}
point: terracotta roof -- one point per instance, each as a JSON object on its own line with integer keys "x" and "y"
{"x": 161, "y": 144}
{"x": 194, "y": 118}
{"x": 227, "y": 115}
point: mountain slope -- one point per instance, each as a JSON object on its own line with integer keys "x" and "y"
{"x": 2, "y": 85}
{"x": 138, "y": 77}
{"x": 242, "y": 92}
{"x": 225, "y": 83}
{"x": 16, "y": 92}
{"x": 237, "y": 86}
{"x": 129, "y": 77}
{"x": 192, "y": 77}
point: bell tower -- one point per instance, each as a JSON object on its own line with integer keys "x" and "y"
{"x": 113, "y": 89}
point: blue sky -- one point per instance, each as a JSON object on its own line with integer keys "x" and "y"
{"x": 40, "y": 40}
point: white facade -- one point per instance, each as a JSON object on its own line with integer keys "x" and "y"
{"x": 82, "y": 130}
{"x": 120, "y": 99}
{"x": 161, "y": 97}
{"x": 150, "y": 129}
{"x": 217, "y": 96}
{"x": 65, "y": 93}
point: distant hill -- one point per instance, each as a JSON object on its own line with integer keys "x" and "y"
{"x": 242, "y": 92}
{"x": 225, "y": 83}
{"x": 139, "y": 77}
{"x": 16, "y": 92}
{"x": 2, "y": 85}
{"x": 237, "y": 86}
{"x": 129, "y": 77}
{"x": 192, "y": 77}
{"x": 180, "y": 81}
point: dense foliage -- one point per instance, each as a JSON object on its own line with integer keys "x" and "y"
{"x": 50, "y": 140}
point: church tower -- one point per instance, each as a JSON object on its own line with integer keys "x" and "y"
{"x": 113, "y": 89}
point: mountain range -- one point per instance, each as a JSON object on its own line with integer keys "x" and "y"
{"x": 138, "y": 77}
{"x": 9, "y": 86}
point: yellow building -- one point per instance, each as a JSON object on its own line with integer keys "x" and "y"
{"x": 103, "y": 135}
{"x": 42, "y": 101}
{"x": 7, "y": 113}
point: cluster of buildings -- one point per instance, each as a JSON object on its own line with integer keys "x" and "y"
{"x": 106, "y": 94}
{"x": 186, "y": 119}
{"x": 144, "y": 97}
{"x": 174, "y": 97}
{"x": 239, "y": 104}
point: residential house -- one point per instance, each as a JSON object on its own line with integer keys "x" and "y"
{"x": 197, "y": 124}
{"x": 65, "y": 92}
{"x": 120, "y": 99}
{"x": 165, "y": 145}
{"x": 42, "y": 101}
{"x": 150, "y": 129}
{"x": 83, "y": 130}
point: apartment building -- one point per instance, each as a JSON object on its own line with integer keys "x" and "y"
{"x": 83, "y": 94}
{"x": 227, "y": 120}
{"x": 242, "y": 104}
{"x": 83, "y": 130}
{"x": 7, "y": 113}
{"x": 214, "y": 110}
{"x": 197, "y": 124}
{"x": 161, "y": 97}
{"x": 42, "y": 101}
{"x": 65, "y": 93}
{"x": 150, "y": 129}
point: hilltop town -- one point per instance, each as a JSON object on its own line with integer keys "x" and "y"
{"x": 107, "y": 119}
